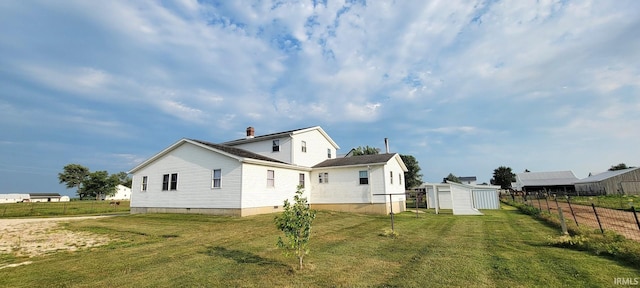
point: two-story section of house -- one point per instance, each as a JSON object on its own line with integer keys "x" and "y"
{"x": 254, "y": 175}
{"x": 301, "y": 147}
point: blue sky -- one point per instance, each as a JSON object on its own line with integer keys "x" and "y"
{"x": 464, "y": 86}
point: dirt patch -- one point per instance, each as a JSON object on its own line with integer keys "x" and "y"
{"x": 39, "y": 236}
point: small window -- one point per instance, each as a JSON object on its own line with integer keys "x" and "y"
{"x": 329, "y": 153}
{"x": 391, "y": 176}
{"x": 323, "y": 177}
{"x": 174, "y": 181}
{"x": 400, "y": 178}
{"x": 165, "y": 182}
{"x": 304, "y": 146}
{"x": 216, "y": 181}
{"x": 144, "y": 183}
{"x": 270, "y": 178}
{"x": 301, "y": 180}
{"x": 276, "y": 146}
{"x": 364, "y": 177}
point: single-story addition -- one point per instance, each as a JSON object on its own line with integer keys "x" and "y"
{"x": 626, "y": 181}
{"x": 560, "y": 182}
{"x": 254, "y": 175}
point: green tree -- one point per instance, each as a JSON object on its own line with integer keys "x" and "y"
{"x": 412, "y": 178}
{"x": 365, "y": 151}
{"x": 123, "y": 179}
{"x": 620, "y": 166}
{"x": 503, "y": 176}
{"x": 74, "y": 175}
{"x": 295, "y": 222}
{"x": 99, "y": 183}
{"x": 451, "y": 178}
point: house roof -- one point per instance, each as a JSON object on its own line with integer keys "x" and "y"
{"x": 359, "y": 160}
{"x": 469, "y": 178}
{"x": 237, "y": 151}
{"x": 555, "y": 178}
{"x": 605, "y": 175}
{"x": 280, "y": 135}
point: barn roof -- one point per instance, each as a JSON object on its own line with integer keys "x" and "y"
{"x": 606, "y": 175}
{"x": 554, "y": 178}
{"x": 37, "y": 195}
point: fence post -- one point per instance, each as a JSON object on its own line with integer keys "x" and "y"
{"x": 546, "y": 199}
{"x": 539, "y": 204}
{"x": 571, "y": 208}
{"x": 563, "y": 224}
{"x": 597, "y": 217}
{"x": 634, "y": 215}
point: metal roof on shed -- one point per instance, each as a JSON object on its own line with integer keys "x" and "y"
{"x": 605, "y": 175}
{"x": 554, "y": 178}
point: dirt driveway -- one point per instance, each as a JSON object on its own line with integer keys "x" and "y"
{"x": 39, "y": 236}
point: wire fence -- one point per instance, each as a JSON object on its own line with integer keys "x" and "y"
{"x": 616, "y": 213}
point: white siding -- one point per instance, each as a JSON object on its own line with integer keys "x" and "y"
{"x": 13, "y": 198}
{"x": 194, "y": 166}
{"x": 317, "y": 146}
{"x": 396, "y": 187}
{"x": 265, "y": 148}
{"x": 344, "y": 186}
{"x": 255, "y": 192}
{"x": 444, "y": 196}
{"x": 122, "y": 193}
{"x": 462, "y": 202}
{"x": 486, "y": 199}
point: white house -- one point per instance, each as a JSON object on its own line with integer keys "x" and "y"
{"x": 254, "y": 175}
{"x": 122, "y": 193}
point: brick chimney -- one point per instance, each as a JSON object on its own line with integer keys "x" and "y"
{"x": 250, "y": 132}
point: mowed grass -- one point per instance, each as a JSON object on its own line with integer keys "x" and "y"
{"x": 503, "y": 248}
{"x": 85, "y": 207}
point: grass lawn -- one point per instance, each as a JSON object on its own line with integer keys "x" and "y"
{"x": 500, "y": 249}
{"x": 85, "y": 207}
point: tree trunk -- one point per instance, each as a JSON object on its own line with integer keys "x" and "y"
{"x": 300, "y": 258}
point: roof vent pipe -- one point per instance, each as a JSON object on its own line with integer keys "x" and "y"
{"x": 386, "y": 144}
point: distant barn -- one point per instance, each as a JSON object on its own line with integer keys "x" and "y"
{"x": 625, "y": 182}
{"x": 560, "y": 182}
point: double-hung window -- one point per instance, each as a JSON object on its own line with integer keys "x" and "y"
{"x": 323, "y": 177}
{"x": 216, "y": 179}
{"x": 275, "y": 146}
{"x": 391, "y": 176}
{"x": 271, "y": 178}
{"x": 170, "y": 181}
{"x": 301, "y": 180}
{"x": 329, "y": 153}
{"x": 400, "y": 178}
{"x": 304, "y": 146}
{"x": 144, "y": 183}
{"x": 364, "y": 177}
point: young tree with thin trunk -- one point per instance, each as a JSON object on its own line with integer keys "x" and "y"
{"x": 295, "y": 222}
